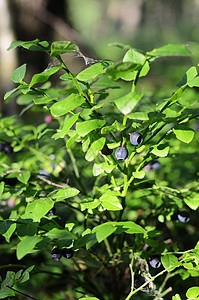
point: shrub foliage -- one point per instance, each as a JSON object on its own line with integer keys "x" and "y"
{"x": 99, "y": 188}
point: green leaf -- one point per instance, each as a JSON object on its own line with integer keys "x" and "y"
{"x": 161, "y": 150}
{"x": 189, "y": 75}
{"x": 26, "y": 275}
{"x": 170, "y": 261}
{"x": 43, "y": 76}
{"x": 194, "y": 82}
{"x": 39, "y": 208}
{"x": 192, "y": 201}
{"x": 23, "y": 176}
{"x": 192, "y": 292}
{"x": 131, "y": 227}
{"x": 122, "y": 69}
{"x": 94, "y": 149}
{"x": 90, "y": 204}
{"x": 65, "y": 193}
{"x": 62, "y": 107}
{"x": 58, "y": 48}
{"x": 116, "y": 126}
{"x": 139, "y": 174}
{"x": 91, "y": 72}
{"x": 100, "y": 168}
{"x": 34, "y": 45}
{"x": 56, "y": 233}
{"x": 68, "y": 123}
{"x": 9, "y": 280}
{"x": 176, "y": 297}
{"x": 72, "y": 139}
{"x": 169, "y": 50}
{"x": 83, "y": 128}
{"x": 18, "y": 74}
{"x": 110, "y": 202}
{"x": 87, "y": 238}
{"x": 27, "y": 229}
{"x": 104, "y": 230}
{"x": 127, "y": 103}
{"x": 26, "y": 246}
{"x": 134, "y": 56}
{"x": 89, "y": 298}
{"x": 183, "y": 133}
{"x": 7, "y": 228}
{"x": 44, "y": 100}
{"x": 2, "y": 184}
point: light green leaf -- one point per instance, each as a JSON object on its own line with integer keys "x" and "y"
{"x": 43, "y": 76}
{"x": 56, "y": 233}
{"x": 134, "y": 56}
{"x": 192, "y": 292}
{"x": 62, "y": 107}
{"x": 194, "y": 82}
{"x": 116, "y": 126}
{"x": 65, "y": 193}
{"x": 2, "y": 184}
{"x": 110, "y": 202}
{"x": 39, "y": 208}
{"x": 23, "y": 176}
{"x": 139, "y": 174}
{"x": 68, "y": 123}
{"x": 131, "y": 227}
{"x": 35, "y": 45}
{"x": 18, "y": 74}
{"x": 161, "y": 150}
{"x": 176, "y": 297}
{"x": 189, "y": 75}
{"x": 183, "y": 133}
{"x": 83, "y": 128}
{"x": 104, "y": 230}
{"x": 61, "y": 47}
{"x": 91, "y": 72}
{"x": 127, "y": 103}
{"x": 100, "y": 168}
{"x": 89, "y": 204}
{"x": 72, "y": 139}
{"x": 44, "y": 100}
{"x": 94, "y": 149}
{"x": 169, "y": 50}
{"x": 7, "y": 228}
{"x": 26, "y": 245}
{"x": 122, "y": 69}
{"x": 89, "y": 298}
{"x": 170, "y": 261}
{"x": 192, "y": 201}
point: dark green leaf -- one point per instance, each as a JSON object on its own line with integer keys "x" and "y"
{"x": 34, "y": 45}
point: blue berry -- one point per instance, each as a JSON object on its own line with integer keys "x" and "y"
{"x": 154, "y": 262}
{"x": 67, "y": 252}
{"x": 56, "y": 254}
{"x": 106, "y": 150}
{"x": 121, "y": 153}
{"x": 155, "y": 165}
{"x": 136, "y": 138}
{"x": 183, "y": 216}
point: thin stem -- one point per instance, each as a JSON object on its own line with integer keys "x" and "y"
{"x": 132, "y": 279}
{"x": 9, "y": 287}
{"x": 108, "y": 248}
{"x": 73, "y": 160}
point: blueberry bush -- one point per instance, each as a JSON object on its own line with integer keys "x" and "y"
{"x": 99, "y": 180}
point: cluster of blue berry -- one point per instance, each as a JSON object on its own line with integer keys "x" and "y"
{"x": 121, "y": 153}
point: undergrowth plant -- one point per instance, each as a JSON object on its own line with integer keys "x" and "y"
{"x": 99, "y": 180}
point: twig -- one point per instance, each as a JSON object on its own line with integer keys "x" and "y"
{"x": 9, "y": 287}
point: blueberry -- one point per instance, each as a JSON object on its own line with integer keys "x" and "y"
{"x": 67, "y": 252}
{"x": 51, "y": 212}
{"x": 155, "y": 165}
{"x": 56, "y": 254}
{"x": 8, "y": 149}
{"x": 136, "y": 138}
{"x": 183, "y": 216}
{"x": 106, "y": 150}
{"x": 121, "y": 153}
{"x": 154, "y": 262}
